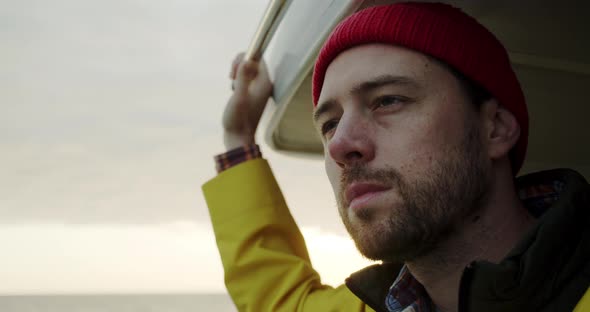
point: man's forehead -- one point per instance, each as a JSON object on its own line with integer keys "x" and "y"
{"x": 366, "y": 62}
{"x": 377, "y": 55}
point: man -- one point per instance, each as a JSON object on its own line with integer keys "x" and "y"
{"x": 424, "y": 127}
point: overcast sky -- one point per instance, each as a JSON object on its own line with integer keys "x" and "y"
{"x": 109, "y": 117}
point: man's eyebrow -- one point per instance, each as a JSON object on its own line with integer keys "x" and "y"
{"x": 383, "y": 80}
{"x": 323, "y": 108}
{"x": 364, "y": 87}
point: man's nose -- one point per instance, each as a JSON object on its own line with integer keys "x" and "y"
{"x": 353, "y": 141}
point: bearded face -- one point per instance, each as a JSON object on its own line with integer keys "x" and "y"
{"x": 404, "y": 149}
{"x": 422, "y": 211}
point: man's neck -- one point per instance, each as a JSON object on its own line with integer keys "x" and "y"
{"x": 489, "y": 235}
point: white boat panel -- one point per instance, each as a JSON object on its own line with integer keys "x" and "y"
{"x": 547, "y": 42}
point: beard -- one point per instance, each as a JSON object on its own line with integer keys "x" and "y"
{"x": 429, "y": 209}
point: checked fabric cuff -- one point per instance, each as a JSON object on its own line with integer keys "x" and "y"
{"x": 237, "y": 156}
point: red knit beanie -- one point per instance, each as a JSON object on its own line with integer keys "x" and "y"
{"x": 441, "y": 31}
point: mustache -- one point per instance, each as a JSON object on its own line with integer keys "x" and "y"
{"x": 362, "y": 173}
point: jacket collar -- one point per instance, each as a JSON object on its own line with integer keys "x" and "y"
{"x": 372, "y": 283}
{"x": 548, "y": 259}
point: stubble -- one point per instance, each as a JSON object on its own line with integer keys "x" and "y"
{"x": 430, "y": 207}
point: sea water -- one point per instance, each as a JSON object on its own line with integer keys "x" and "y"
{"x": 118, "y": 303}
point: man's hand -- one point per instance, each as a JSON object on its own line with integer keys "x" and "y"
{"x": 252, "y": 88}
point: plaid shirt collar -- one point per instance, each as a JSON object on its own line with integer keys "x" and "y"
{"x": 406, "y": 294}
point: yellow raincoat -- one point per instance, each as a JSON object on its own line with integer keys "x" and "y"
{"x": 266, "y": 264}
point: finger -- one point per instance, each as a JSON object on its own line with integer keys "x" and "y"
{"x": 246, "y": 72}
{"x": 235, "y": 63}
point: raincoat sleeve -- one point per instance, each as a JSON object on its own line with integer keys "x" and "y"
{"x": 584, "y": 304}
{"x": 266, "y": 264}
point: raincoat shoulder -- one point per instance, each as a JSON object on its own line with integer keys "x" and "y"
{"x": 265, "y": 260}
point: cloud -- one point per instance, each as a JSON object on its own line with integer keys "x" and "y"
{"x": 177, "y": 257}
{"x": 334, "y": 256}
{"x": 110, "y": 117}
{"x": 56, "y": 258}
{"x": 111, "y": 110}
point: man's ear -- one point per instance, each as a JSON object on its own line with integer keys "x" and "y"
{"x": 501, "y": 128}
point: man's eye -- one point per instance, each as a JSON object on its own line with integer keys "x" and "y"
{"x": 388, "y": 100}
{"x": 329, "y": 126}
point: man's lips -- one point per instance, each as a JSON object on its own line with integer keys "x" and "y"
{"x": 362, "y": 190}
